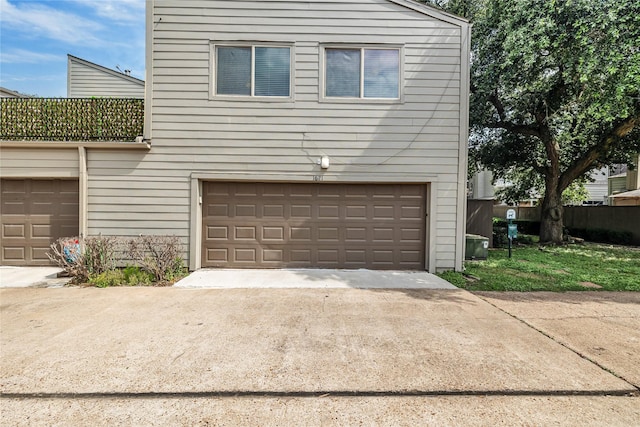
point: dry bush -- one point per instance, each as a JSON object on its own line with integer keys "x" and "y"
{"x": 158, "y": 255}
{"x": 66, "y": 253}
{"x": 82, "y": 258}
{"x": 102, "y": 253}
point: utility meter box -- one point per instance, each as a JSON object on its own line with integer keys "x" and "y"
{"x": 477, "y": 247}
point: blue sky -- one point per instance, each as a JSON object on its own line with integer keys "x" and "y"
{"x": 37, "y": 35}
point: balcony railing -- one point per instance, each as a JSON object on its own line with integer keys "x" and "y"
{"x": 71, "y": 119}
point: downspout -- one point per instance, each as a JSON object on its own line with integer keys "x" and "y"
{"x": 464, "y": 146}
{"x": 83, "y": 196}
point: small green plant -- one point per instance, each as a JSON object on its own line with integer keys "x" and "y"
{"x": 107, "y": 278}
{"x": 135, "y": 276}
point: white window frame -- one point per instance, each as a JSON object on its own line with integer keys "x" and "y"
{"x": 250, "y": 44}
{"x": 362, "y": 99}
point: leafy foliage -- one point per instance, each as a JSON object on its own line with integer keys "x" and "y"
{"x": 71, "y": 119}
{"x": 555, "y": 92}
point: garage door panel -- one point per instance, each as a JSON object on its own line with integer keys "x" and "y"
{"x": 42, "y": 231}
{"x": 217, "y": 210}
{"x": 300, "y": 234}
{"x": 274, "y": 211}
{"x": 301, "y": 211}
{"x": 217, "y": 255}
{"x": 39, "y": 254}
{"x": 246, "y": 210}
{"x": 34, "y": 214}
{"x": 13, "y": 230}
{"x": 13, "y": 253}
{"x": 245, "y": 255}
{"x": 10, "y": 207}
{"x": 329, "y": 212}
{"x": 273, "y": 233}
{"x": 273, "y": 255}
{"x": 329, "y": 234}
{"x": 245, "y": 233}
{"x": 217, "y": 233}
{"x": 313, "y": 225}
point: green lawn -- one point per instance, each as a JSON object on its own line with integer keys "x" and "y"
{"x": 567, "y": 268}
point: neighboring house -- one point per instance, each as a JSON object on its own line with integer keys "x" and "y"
{"x": 6, "y": 93}
{"x": 624, "y": 189}
{"x": 326, "y": 134}
{"x": 86, "y": 80}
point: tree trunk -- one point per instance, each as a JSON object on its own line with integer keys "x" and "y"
{"x": 551, "y": 220}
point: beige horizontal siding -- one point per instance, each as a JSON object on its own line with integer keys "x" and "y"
{"x": 193, "y": 132}
{"x": 38, "y": 163}
{"x": 87, "y": 82}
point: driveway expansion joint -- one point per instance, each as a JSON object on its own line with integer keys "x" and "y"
{"x": 320, "y": 394}
{"x": 636, "y": 387}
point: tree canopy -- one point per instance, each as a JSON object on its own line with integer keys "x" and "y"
{"x": 555, "y": 91}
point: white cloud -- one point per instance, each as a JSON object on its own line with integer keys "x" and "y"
{"x": 126, "y": 11}
{"x": 38, "y": 19}
{"x": 22, "y": 56}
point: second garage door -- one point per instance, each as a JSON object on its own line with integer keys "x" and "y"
{"x": 275, "y": 225}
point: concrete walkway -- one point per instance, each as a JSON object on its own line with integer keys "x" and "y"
{"x": 23, "y": 277}
{"x": 312, "y": 278}
{"x": 173, "y": 356}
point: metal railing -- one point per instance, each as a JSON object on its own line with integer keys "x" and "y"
{"x": 71, "y": 119}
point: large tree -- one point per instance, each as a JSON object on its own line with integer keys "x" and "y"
{"x": 555, "y": 92}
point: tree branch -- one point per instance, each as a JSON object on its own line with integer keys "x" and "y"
{"x": 606, "y": 142}
{"x": 493, "y": 98}
{"x": 515, "y": 128}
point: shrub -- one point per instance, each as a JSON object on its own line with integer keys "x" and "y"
{"x": 525, "y": 239}
{"x": 620, "y": 237}
{"x": 158, "y": 255}
{"x": 107, "y": 278}
{"x": 102, "y": 253}
{"x": 95, "y": 259}
{"x": 134, "y": 276}
{"x": 601, "y": 235}
{"x": 83, "y": 258}
{"x": 66, "y": 254}
{"x": 524, "y": 226}
{"x": 500, "y": 238}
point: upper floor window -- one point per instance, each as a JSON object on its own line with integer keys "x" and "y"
{"x": 369, "y": 73}
{"x": 253, "y": 70}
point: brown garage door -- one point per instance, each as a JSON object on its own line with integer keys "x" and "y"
{"x": 34, "y": 214}
{"x": 258, "y": 225}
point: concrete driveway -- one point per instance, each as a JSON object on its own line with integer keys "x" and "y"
{"x": 603, "y": 327}
{"x": 170, "y": 356}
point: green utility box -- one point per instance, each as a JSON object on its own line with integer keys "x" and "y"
{"x": 477, "y": 247}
